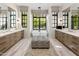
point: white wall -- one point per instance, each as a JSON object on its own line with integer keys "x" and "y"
{"x": 51, "y": 30}
{"x": 60, "y": 18}
{"x": 29, "y": 22}
{"x": 18, "y": 21}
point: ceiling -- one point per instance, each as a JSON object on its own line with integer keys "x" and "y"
{"x": 3, "y": 7}
{"x": 43, "y": 5}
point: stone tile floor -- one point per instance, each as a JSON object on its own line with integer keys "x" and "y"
{"x": 41, "y": 52}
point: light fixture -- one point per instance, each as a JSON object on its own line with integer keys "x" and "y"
{"x": 39, "y": 8}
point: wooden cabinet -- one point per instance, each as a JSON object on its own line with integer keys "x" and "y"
{"x": 75, "y": 40}
{"x": 70, "y": 41}
{"x": 9, "y": 40}
{"x": 22, "y": 34}
{"x": 60, "y": 36}
{"x": 3, "y": 44}
{"x": 75, "y": 49}
{"x": 65, "y": 38}
{"x": 57, "y": 36}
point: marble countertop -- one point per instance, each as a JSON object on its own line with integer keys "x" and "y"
{"x": 9, "y": 31}
{"x": 69, "y": 31}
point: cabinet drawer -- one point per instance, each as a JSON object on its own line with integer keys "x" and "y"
{"x": 75, "y": 43}
{"x": 2, "y": 50}
{"x": 76, "y": 38}
{"x": 75, "y": 50}
{"x": 2, "y": 39}
{"x": 56, "y": 34}
{"x": 22, "y": 34}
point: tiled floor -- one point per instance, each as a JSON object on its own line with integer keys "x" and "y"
{"x": 23, "y": 48}
{"x": 42, "y": 52}
{"x": 19, "y": 49}
{"x": 60, "y": 49}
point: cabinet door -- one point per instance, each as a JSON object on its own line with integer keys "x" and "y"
{"x": 22, "y": 34}
{"x": 3, "y": 47}
{"x": 69, "y": 40}
{"x": 56, "y": 34}
{"x": 60, "y": 36}
{"x": 65, "y": 38}
{"x": 18, "y": 36}
{"x": 12, "y": 39}
{"x": 4, "y": 44}
{"x": 75, "y": 40}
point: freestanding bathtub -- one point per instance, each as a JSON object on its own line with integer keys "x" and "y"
{"x": 40, "y": 42}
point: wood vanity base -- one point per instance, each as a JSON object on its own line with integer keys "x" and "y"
{"x": 70, "y": 41}
{"x": 6, "y": 42}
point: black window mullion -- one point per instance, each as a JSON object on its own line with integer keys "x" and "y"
{"x": 40, "y": 25}
{"x": 55, "y": 19}
{"x": 45, "y": 23}
{"x": 65, "y": 19}
{"x": 3, "y": 21}
{"x": 78, "y": 22}
{"x": 24, "y": 19}
{"x": 12, "y": 19}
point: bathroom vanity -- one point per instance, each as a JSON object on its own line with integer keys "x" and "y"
{"x": 10, "y": 38}
{"x": 69, "y": 38}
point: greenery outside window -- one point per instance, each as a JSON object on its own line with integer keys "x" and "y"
{"x": 39, "y": 23}
{"x": 24, "y": 19}
{"x": 75, "y": 22}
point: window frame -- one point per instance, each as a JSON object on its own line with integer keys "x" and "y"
{"x": 65, "y": 19}
{"x": 23, "y": 20}
{"x": 3, "y": 21}
{"x": 55, "y": 19}
{"x": 39, "y": 27}
{"x": 72, "y": 21}
{"x": 14, "y": 19}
